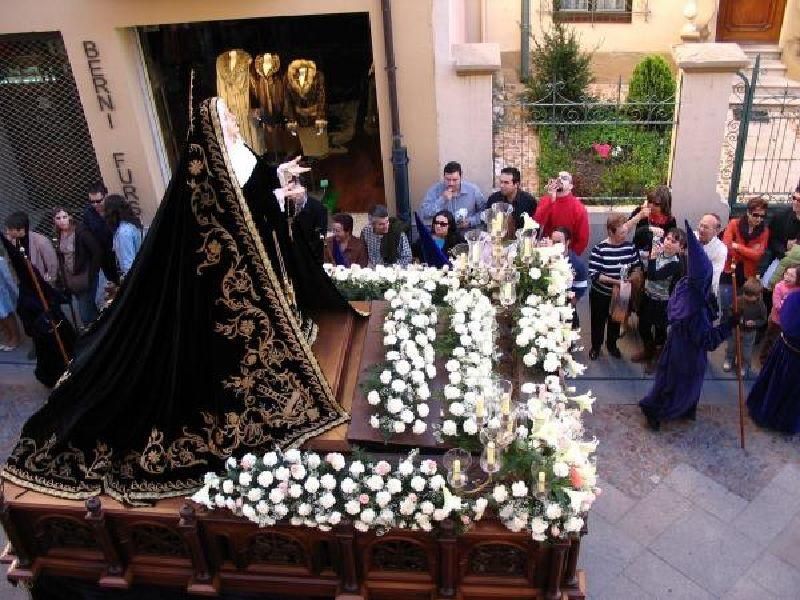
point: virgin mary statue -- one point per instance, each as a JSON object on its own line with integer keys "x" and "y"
{"x": 201, "y": 355}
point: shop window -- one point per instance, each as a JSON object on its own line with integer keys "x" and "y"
{"x": 592, "y": 11}
{"x": 299, "y": 85}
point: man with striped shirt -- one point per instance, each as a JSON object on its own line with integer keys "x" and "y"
{"x": 607, "y": 262}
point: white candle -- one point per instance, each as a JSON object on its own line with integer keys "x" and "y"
{"x": 480, "y": 408}
{"x": 490, "y": 454}
{"x": 457, "y": 471}
{"x": 540, "y": 483}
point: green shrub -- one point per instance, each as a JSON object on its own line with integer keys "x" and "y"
{"x": 557, "y": 56}
{"x": 652, "y": 83}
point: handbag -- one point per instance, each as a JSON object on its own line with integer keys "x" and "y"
{"x": 620, "y": 302}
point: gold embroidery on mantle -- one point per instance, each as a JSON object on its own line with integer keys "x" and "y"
{"x": 269, "y": 393}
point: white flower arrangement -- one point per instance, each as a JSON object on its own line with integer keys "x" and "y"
{"x": 327, "y": 490}
{"x": 471, "y": 360}
{"x": 359, "y": 283}
{"x": 544, "y": 321}
{"x": 400, "y": 403}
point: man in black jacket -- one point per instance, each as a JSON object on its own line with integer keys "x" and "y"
{"x": 510, "y": 192}
{"x": 784, "y": 229}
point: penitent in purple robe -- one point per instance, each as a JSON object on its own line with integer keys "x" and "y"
{"x": 774, "y": 401}
{"x": 682, "y": 365}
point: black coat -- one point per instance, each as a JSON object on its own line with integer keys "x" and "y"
{"x": 312, "y": 224}
{"x": 523, "y": 203}
{"x": 783, "y": 226}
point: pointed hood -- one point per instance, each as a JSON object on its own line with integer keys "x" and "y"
{"x": 431, "y": 253}
{"x": 693, "y": 292}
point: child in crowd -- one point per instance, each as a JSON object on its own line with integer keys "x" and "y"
{"x": 783, "y": 288}
{"x": 664, "y": 268}
{"x": 580, "y": 273}
{"x": 754, "y": 316}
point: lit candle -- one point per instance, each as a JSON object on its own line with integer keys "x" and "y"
{"x": 511, "y": 428}
{"x": 456, "y": 472}
{"x": 480, "y": 408}
{"x": 505, "y": 404}
{"x": 497, "y": 224}
{"x": 540, "y": 484}
{"x": 490, "y": 454}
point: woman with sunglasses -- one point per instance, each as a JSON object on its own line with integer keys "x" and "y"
{"x": 444, "y": 231}
{"x": 653, "y": 219}
{"x": 746, "y": 238}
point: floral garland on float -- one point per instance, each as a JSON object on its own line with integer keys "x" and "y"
{"x": 533, "y": 469}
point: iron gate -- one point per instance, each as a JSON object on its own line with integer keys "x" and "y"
{"x": 760, "y": 153}
{"x": 46, "y": 155}
{"x": 545, "y": 135}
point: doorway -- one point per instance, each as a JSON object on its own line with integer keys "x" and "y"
{"x": 750, "y": 21}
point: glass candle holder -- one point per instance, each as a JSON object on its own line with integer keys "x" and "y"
{"x": 474, "y": 239}
{"x": 508, "y": 288}
{"x": 497, "y": 217}
{"x": 460, "y": 255}
{"x": 457, "y": 461}
{"x": 504, "y": 388}
{"x": 491, "y": 458}
{"x": 540, "y": 485}
{"x": 526, "y": 242}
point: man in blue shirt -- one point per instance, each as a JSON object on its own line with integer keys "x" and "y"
{"x": 460, "y": 197}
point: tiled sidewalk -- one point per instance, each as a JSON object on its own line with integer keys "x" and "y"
{"x": 692, "y": 538}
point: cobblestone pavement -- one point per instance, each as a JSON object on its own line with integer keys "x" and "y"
{"x": 685, "y": 513}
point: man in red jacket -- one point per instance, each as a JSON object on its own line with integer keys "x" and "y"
{"x": 559, "y": 208}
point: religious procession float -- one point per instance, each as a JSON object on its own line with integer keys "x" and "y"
{"x": 440, "y": 455}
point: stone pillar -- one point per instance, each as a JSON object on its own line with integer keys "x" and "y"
{"x": 463, "y": 90}
{"x": 704, "y": 88}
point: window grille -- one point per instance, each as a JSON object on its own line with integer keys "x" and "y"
{"x": 613, "y": 11}
{"x": 46, "y": 154}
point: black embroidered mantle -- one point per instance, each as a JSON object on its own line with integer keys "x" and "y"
{"x": 199, "y": 357}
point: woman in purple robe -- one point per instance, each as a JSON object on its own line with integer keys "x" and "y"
{"x": 774, "y": 400}
{"x": 691, "y": 312}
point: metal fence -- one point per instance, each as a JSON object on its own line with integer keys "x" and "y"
{"x": 545, "y": 135}
{"x": 760, "y": 150}
{"x": 46, "y": 155}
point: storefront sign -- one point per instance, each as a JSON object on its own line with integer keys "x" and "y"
{"x": 126, "y": 179}
{"x": 99, "y": 81}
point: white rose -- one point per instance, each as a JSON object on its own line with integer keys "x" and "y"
{"x": 335, "y": 518}
{"x": 389, "y": 340}
{"x": 255, "y": 494}
{"x": 573, "y": 524}
{"x": 245, "y": 478}
{"x": 402, "y": 367}
{"x": 519, "y": 489}
{"x": 304, "y": 509}
{"x": 352, "y": 507}
{"x": 394, "y": 485}
{"x": 436, "y": 482}
{"x": 407, "y": 416}
{"x": 423, "y": 409}
{"x": 327, "y": 500}
{"x": 292, "y": 455}
{"x": 457, "y": 409}
{"x": 311, "y": 485}
{"x": 419, "y": 427}
{"x": 427, "y": 507}
{"x": 367, "y": 515}
{"x": 295, "y": 490}
{"x": 449, "y": 427}
{"x": 374, "y": 422}
{"x": 500, "y": 493}
{"x": 374, "y": 398}
{"x": 417, "y": 483}
{"x": 470, "y": 427}
{"x": 552, "y": 511}
{"x": 374, "y": 482}
{"x": 394, "y": 405}
{"x": 348, "y": 486}
{"x": 399, "y": 427}
{"x": 276, "y": 496}
{"x": 313, "y": 460}
{"x": 227, "y": 486}
{"x": 440, "y": 514}
{"x": 356, "y": 467}
{"x": 386, "y": 377}
{"x": 399, "y": 386}
{"x": 560, "y": 469}
{"x": 383, "y": 498}
{"x": 264, "y": 479}
{"x": 328, "y": 481}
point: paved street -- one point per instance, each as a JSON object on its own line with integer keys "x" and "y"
{"x": 684, "y": 513}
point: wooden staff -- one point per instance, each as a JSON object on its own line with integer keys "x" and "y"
{"x": 738, "y": 338}
{"x": 45, "y": 304}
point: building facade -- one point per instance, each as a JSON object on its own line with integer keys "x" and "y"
{"x": 116, "y": 107}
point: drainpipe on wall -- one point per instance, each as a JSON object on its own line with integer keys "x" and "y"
{"x": 399, "y": 151}
{"x": 525, "y": 41}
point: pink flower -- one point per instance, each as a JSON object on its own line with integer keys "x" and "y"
{"x": 412, "y": 497}
{"x": 363, "y": 499}
{"x": 283, "y": 486}
{"x": 575, "y": 478}
{"x": 465, "y": 519}
{"x": 383, "y": 468}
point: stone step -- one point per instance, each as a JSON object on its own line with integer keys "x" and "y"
{"x": 767, "y": 51}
